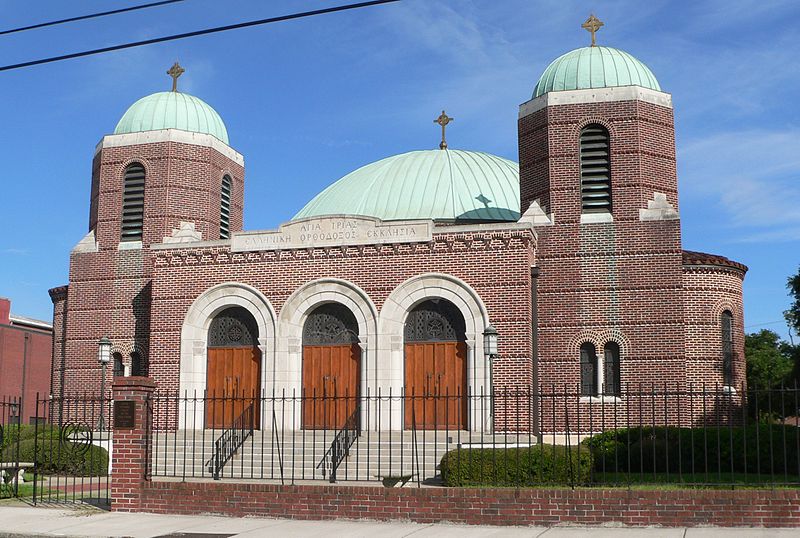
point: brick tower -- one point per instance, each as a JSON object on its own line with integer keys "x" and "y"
{"x": 597, "y": 170}
{"x": 166, "y": 175}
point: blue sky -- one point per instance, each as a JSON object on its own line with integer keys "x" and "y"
{"x": 308, "y": 101}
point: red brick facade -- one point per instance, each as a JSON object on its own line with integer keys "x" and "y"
{"x": 626, "y": 281}
{"x": 25, "y": 351}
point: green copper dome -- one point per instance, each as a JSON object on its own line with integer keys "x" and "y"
{"x": 444, "y": 185}
{"x": 595, "y": 67}
{"x": 172, "y": 110}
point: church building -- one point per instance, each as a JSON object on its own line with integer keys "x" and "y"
{"x": 436, "y": 272}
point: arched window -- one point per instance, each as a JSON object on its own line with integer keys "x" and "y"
{"x": 233, "y": 327}
{"x": 133, "y": 203}
{"x": 138, "y": 368}
{"x": 595, "y": 169}
{"x": 119, "y": 367}
{"x": 589, "y": 371}
{"x": 330, "y": 324}
{"x": 611, "y": 375}
{"x": 727, "y": 348}
{"x": 435, "y": 320}
{"x": 225, "y": 208}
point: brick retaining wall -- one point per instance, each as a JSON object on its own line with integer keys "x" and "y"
{"x": 485, "y": 506}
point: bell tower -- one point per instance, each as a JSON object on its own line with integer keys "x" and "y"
{"x": 167, "y": 174}
{"x": 597, "y": 167}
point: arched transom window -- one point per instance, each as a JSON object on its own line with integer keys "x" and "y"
{"x": 233, "y": 327}
{"x": 435, "y": 320}
{"x": 330, "y": 324}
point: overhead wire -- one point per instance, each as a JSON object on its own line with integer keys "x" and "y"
{"x": 195, "y": 33}
{"x": 89, "y": 16}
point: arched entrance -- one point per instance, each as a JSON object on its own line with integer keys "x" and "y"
{"x": 331, "y": 367}
{"x": 233, "y": 372}
{"x": 435, "y": 367}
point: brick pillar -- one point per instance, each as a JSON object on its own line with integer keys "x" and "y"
{"x": 131, "y": 451}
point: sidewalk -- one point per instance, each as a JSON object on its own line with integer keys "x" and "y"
{"x": 17, "y": 519}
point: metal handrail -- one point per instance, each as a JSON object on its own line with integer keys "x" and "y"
{"x": 340, "y": 446}
{"x": 229, "y": 442}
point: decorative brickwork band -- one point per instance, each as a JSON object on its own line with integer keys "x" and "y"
{"x": 131, "y": 452}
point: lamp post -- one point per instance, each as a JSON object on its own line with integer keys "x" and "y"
{"x": 103, "y": 357}
{"x": 490, "y": 338}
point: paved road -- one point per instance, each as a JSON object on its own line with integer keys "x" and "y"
{"x": 21, "y": 520}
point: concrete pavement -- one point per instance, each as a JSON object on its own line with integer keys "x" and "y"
{"x": 17, "y": 519}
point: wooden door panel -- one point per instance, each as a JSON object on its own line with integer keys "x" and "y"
{"x": 233, "y": 382}
{"x": 435, "y": 384}
{"x": 331, "y": 376}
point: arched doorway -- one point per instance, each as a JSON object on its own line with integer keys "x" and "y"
{"x": 233, "y": 373}
{"x": 435, "y": 367}
{"x": 331, "y": 367}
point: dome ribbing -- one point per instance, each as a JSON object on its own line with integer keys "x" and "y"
{"x": 172, "y": 110}
{"x": 445, "y": 185}
{"x": 595, "y": 67}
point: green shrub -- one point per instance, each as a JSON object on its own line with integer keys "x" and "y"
{"x": 531, "y": 466}
{"x": 764, "y": 448}
{"x": 58, "y": 457}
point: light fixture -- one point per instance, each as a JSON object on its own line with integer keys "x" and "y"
{"x": 490, "y": 337}
{"x": 104, "y": 350}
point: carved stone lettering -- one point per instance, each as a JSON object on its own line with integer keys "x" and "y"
{"x": 333, "y": 232}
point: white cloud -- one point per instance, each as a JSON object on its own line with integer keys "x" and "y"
{"x": 754, "y": 175}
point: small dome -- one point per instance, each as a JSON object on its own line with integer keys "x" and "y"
{"x": 444, "y": 185}
{"x": 594, "y": 67}
{"x": 172, "y": 110}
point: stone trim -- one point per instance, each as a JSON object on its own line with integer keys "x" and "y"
{"x": 595, "y": 95}
{"x": 170, "y": 135}
{"x": 194, "y": 335}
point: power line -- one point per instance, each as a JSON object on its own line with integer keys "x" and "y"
{"x": 198, "y": 33}
{"x": 90, "y": 16}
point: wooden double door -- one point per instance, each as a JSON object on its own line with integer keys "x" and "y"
{"x": 435, "y": 385}
{"x": 331, "y": 375}
{"x": 233, "y": 383}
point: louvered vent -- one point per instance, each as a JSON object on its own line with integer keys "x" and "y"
{"x": 133, "y": 203}
{"x": 595, "y": 170}
{"x": 225, "y": 209}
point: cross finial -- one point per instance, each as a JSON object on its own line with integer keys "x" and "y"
{"x": 175, "y": 71}
{"x": 443, "y": 120}
{"x": 592, "y": 25}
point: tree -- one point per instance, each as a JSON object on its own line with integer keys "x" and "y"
{"x": 770, "y": 361}
{"x": 793, "y": 314}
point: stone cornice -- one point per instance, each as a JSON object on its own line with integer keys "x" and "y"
{"x": 170, "y": 135}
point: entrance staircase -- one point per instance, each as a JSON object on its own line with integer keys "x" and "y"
{"x": 300, "y": 455}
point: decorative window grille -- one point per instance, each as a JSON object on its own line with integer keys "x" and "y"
{"x": 589, "y": 371}
{"x": 727, "y": 348}
{"x": 233, "y": 327}
{"x": 138, "y": 367}
{"x": 119, "y": 367}
{"x": 436, "y": 320}
{"x": 595, "y": 169}
{"x": 133, "y": 203}
{"x": 330, "y": 324}
{"x": 611, "y": 377}
{"x": 225, "y": 208}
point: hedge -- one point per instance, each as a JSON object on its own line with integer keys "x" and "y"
{"x": 55, "y": 456}
{"x": 758, "y": 448}
{"x": 530, "y": 466}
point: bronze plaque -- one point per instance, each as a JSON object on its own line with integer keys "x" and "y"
{"x": 125, "y": 414}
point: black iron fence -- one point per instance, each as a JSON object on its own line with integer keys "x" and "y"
{"x": 688, "y": 435}
{"x": 62, "y": 456}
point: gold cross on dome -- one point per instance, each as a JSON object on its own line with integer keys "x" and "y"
{"x": 175, "y": 71}
{"x": 592, "y": 25}
{"x": 443, "y": 120}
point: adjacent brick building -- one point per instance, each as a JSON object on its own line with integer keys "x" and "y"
{"x": 390, "y": 279}
{"x": 26, "y": 346}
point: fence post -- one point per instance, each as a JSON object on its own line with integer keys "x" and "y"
{"x": 131, "y": 426}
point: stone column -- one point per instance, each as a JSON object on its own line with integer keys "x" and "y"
{"x": 131, "y": 448}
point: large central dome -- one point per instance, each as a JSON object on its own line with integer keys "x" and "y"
{"x": 443, "y": 185}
